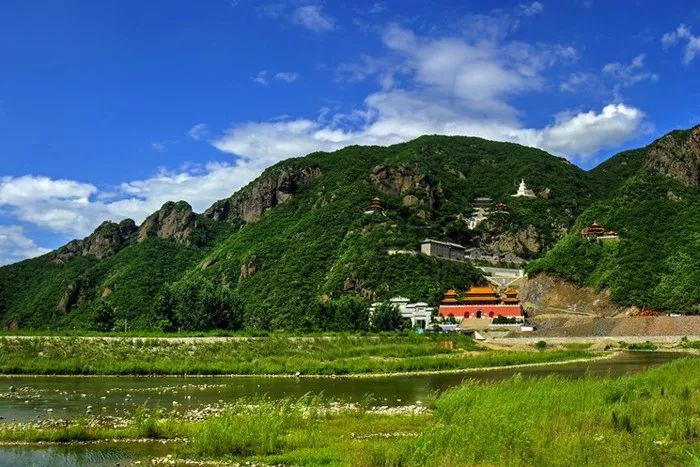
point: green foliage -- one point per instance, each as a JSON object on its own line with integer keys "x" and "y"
{"x": 504, "y": 320}
{"x": 197, "y": 304}
{"x": 347, "y": 313}
{"x": 328, "y": 355}
{"x": 654, "y": 263}
{"x": 105, "y": 317}
{"x": 386, "y": 317}
{"x": 649, "y": 418}
{"x": 319, "y": 246}
{"x": 245, "y": 430}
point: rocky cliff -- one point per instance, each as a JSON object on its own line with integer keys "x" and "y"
{"x": 270, "y": 190}
{"x": 173, "y": 220}
{"x": 677, "y": 155}
{"x": 106, "y": 240}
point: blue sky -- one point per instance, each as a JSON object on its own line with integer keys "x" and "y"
{"x": 109, "y": 109}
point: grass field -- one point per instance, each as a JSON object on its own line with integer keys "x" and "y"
{"x": 334, "y": 355}
{"x": 651, "y": 418}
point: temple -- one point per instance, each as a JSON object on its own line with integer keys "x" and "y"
{"x": 502, "y": 207}
{"x": 481, "y": 302}
{"x": 524, "y": 191}
{"x": 595, "y": 230}
{"x": 481, "y": 208}
{"x": 375, "y": 206}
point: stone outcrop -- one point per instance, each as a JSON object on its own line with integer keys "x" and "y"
{"x": 525, "y": 241}
{"x": 272, "y": 189}
{"x": 105, "y": 241}
{"x": 396, "y": 181}
{"x": 173, "y": 220}
{"x": 544, "y": 294}
{"x": 677, "y": 155}
{"x": 250, "y": 268}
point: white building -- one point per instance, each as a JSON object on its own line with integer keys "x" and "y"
{"x": 420, "y": 314}
{"x": 478, "y": 216}
{"x": 523, "y": 190}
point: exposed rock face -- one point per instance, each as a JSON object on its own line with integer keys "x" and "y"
{"x": 70, "y": 298}
{"x": 395, "y": 181}
{"x": 250, "y": 268}
{"x": 677, "y": 155}
{"x": 508, "y": 246}
{"x": 173, "y": 220}
{"x": 545, "y": 294}
{"x": 410, "y": 201}
{"x": 105, "y": 241}
{"x": 276, "y": 188}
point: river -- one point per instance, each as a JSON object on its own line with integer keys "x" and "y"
{"x": 29, "y": 398}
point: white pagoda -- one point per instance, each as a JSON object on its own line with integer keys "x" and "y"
{"x": 523, "y": 190}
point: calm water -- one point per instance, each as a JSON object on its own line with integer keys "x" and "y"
{"x": 37, "y": 398}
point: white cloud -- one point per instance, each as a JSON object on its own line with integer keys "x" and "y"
{"x": 532, "y": 9}
{"x": 629, "y": 74}
{"x": 198, "y": 132}
{"x": 15, "y": 246}
{"x": 287, "y": 76}
{"x": 311, "y": 17}
{"x": 260, "y": 78}
{"x": 160, "y": 146}
{"x": 683, "y": 34}
{"x": 75, "y": 209}
{"x": 576, "y": 81}
{"x": 446, "y": 85}
{"x": 586, "y": 133}
{"x": 263, "y": 77}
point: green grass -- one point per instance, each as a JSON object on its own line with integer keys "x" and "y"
{"x": 648, "y": 419}
{"x": 272, "y": 355}
{"x": 651, "y": 418}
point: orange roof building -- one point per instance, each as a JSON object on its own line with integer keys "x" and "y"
{"x": 486, "y": 294}
{"x": 450, "y": 297}
{"x": 502, "y": 207}
{"x": 375, "y": 206}
{"x": 511, "y": 297}
{"x": 595, "y": 230}
{"x": 481, "y": 302}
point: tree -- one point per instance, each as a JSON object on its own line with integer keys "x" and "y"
{"x": 347, "y": 313}
{"x": 197, "y": 304}
{"x": 104, "y": 318}
{"x": 386, "y": 317}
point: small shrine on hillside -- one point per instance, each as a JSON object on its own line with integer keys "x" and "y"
{"x": 502, "y": 208}
{"x": 481, "y": 208}
{"x": 595, "y": 230}
{"x": 376, "y": 206}
{"x": 524, "y": 191}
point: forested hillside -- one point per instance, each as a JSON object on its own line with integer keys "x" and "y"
{"x": 657, "y": 214}
{"x": 295, "y": 250}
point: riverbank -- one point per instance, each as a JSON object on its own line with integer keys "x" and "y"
{"x": 649, "y": 417}
{"x": 320, "y": 356}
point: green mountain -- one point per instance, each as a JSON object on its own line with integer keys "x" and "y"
{"x": 295, "y": 250}
{"x": 656, "y": 210}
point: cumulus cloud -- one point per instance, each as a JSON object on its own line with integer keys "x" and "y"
{"x": 75, "y": 208}
{"x": 312, "y": 18}
{"x": 16, "y": 246}
{"x": 691, "y": 49}
{"x": 444, "y": 85}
